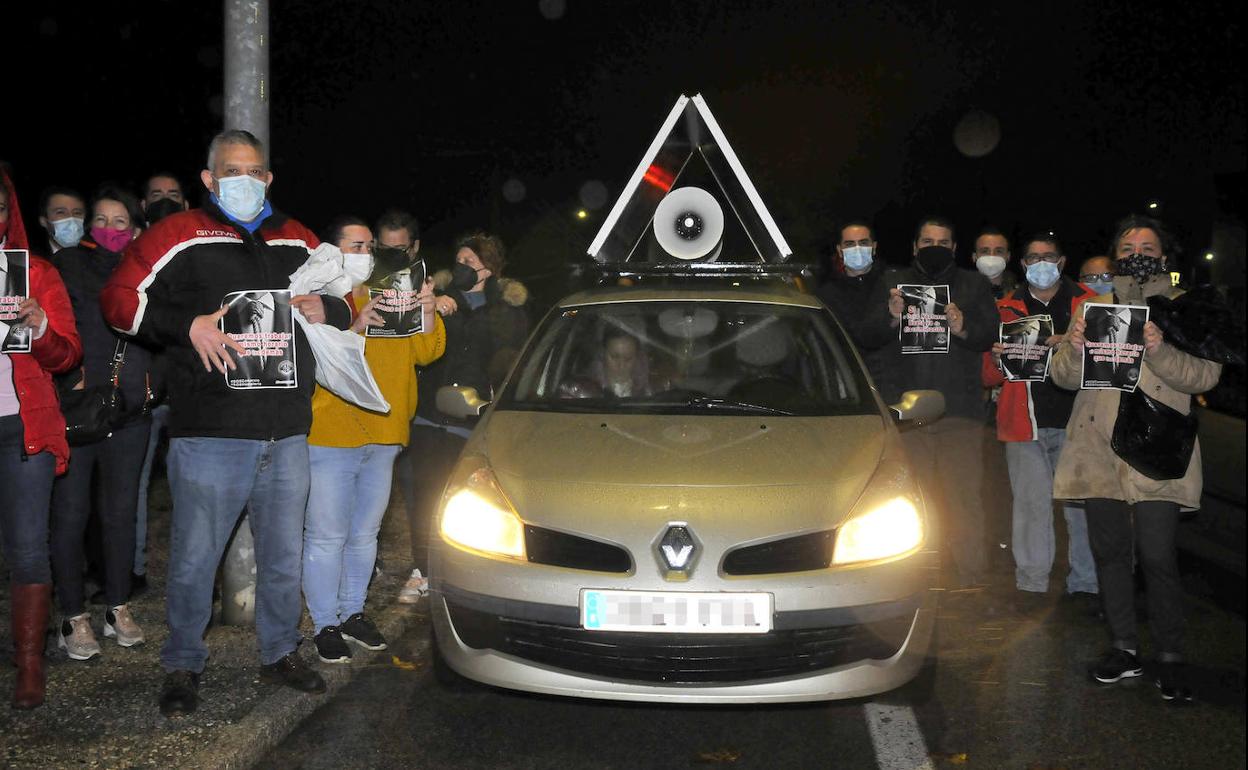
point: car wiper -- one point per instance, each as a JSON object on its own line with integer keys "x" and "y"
{"x": 727, "y": 404}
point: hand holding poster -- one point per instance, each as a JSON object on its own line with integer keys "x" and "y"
{"x": 15, "y": 335}
{"x": 399, "y": 306}
{"x": 1026, "y": 354}
{"x": 1113, "y": 350}
{"x": 261, "y": 321}
{"x": 924, "y": 326}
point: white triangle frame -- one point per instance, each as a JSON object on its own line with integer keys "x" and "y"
{"x": 677, "y": 140}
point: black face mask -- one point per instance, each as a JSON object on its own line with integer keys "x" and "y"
{"x": 1139, "y": 266}
{"x": 159, "y": 209}
{"x": 933, "y": 260}
{"x": 463, "y": 277}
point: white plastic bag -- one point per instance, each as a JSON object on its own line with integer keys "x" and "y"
{"x": 340, "y": 364}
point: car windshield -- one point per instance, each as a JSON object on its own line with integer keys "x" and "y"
{"x": 683, "y": 357}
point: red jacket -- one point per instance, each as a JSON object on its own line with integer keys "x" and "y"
{"x": 57, "y": 351}
{"x": 1015, "y": 421}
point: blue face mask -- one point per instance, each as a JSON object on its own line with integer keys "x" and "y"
{"x": 242, "y": 197}
{"x": 67, "y": 232}
{"x": 858, "y": 257}
{"x": 1043, "y": 275}
{"x": 1100, "y": 286}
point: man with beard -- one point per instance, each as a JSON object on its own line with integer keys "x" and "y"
{"x": 948, "y": 453}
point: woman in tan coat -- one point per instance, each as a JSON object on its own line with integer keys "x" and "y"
{"x": 1124, "y": 507}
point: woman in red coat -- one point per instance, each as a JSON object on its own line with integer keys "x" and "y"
{"x": 32, "y": 437}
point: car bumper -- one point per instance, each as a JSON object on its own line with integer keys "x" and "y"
{"x": 810, "y": 655}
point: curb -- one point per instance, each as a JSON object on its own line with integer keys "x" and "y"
{"x": 276, "y": 717}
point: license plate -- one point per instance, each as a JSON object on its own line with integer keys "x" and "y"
{"x": 673, "y": 612}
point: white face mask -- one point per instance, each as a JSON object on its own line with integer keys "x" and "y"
{"x": 242, "y": 197}
{"x": 67, "y": 232}
{"x": 358, "y": 267}
{"x": 990, "y": 265}
{"x": 858, "y": 257}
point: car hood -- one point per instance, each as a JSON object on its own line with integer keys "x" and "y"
{"x": 623, "y": 477}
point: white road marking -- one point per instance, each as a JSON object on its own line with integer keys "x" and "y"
{"x": 898, "y": 741}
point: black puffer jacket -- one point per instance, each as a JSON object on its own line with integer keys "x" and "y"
{"x": 956, "y": 374}
{"x": 848, "y": 297}
{"x": 481, "y": 344}
{"x": 85, "y": 269}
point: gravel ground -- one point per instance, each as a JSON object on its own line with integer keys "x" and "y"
{"x": 103, "y": 712}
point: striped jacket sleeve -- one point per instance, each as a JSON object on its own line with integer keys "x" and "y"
{"x": 141, "y": 298}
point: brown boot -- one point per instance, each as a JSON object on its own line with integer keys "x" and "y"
{"x": 30, "y": 624}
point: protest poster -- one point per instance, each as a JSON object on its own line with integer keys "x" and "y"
{"x": 924, "y": 325}
{"x": 1026, "y": 355}
{"x": 1113, "y": 350}
{"x": 262, "y": 321}
{"x": 398, "y": 305}
{"x": 15, "y": 335}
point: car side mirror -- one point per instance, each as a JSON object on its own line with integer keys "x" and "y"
{"x": 916, "y": 406}
{"x": 461, "y": 402}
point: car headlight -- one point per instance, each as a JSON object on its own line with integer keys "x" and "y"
{"x": 476, "y": 515}
{"x": 890, "y": 529}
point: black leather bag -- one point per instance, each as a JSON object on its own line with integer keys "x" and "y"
{"x": 92, "y": 413}
{"x": 1153, "y": 438}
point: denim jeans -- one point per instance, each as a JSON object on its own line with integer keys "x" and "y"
{"x": 1116, "y": 529}
{"x": 103, "y": 475}
{"x": 1031, "y": 465}
{"x": 212, "y": 480}
{"x": 26, "y": 484}
{"x": 347, "y": 499}
{"x": 160, "y": 417}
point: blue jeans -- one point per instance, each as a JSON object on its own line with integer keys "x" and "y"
{"x": 212, "y": 480}
{"x": 26, "y": 481}
{"x": 160, "y": 417}
{"x": 1031, "y": 465}
{"x": 348, "y": 497}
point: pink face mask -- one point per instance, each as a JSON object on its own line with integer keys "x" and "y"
{"x": 113, "y": 240}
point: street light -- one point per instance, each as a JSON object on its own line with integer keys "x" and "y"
{"x": 1208, "y": 256}
{"x": 582, "y": 214}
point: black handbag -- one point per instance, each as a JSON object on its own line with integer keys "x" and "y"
{"x": 1153, "y": 438}
{"x": 92, "y": 413}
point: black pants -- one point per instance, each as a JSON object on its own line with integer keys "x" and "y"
{"x": 1110, "y": 530}
{"x": 116, "y": 463}
{"x": 422, "y": 470}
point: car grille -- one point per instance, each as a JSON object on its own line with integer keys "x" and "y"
{"x": 679, "y": 658}
{"x": 559, "y": 549}
{"x": 792, "y": 554}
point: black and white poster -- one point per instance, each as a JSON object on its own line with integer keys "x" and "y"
{"x": 1026, "y": 354}
{"x": 398, "y": 305}
{"x": 924, "y": 325}
{"x": 263, "y": 322}
{"x": 15, "y": 336}
{"x": 1113, "y": 350}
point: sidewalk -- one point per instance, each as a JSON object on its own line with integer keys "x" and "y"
{"x": 103, "y": 712}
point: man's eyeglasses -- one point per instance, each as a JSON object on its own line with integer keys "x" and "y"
{"x": 1031, "y": 259}
{"x": 1103, "y": 277}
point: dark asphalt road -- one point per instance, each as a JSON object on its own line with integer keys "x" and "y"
{"x": 1008, "y": 691}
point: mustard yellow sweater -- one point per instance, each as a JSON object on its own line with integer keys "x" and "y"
{"x": 338, "y": 423}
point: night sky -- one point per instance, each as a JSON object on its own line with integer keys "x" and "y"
{"x": 836, "y": 109}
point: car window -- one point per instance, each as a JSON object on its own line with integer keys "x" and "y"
{"x": 684, "y": 357}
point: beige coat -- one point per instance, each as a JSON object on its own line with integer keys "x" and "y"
{"x": 1088, "y": 466}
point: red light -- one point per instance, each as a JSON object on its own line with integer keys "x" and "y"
{"x": 659, "y": 177}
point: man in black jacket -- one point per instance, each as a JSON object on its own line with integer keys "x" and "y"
{"x": 849, "y": 293}
{"x": 949, "y": 452}
{"x": 229, "y": 448}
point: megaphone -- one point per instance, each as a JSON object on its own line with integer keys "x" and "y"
{"x": 689, "y": 224}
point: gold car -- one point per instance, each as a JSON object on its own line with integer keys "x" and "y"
{"x": 687, "y": 494}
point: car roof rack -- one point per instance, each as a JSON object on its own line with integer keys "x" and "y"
{"x": 689, "y": 131}
{"x": 699, "y": 269}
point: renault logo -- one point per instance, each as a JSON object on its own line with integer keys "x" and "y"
{"x": 677, "y": 550}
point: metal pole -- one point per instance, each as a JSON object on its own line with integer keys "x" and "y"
{"x": 246, "y": 99}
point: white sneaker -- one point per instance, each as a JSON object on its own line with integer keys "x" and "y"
{"x": 77, "y": 638}
{"x": 119, "y": 624}
{"x": 417, "y": 585}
